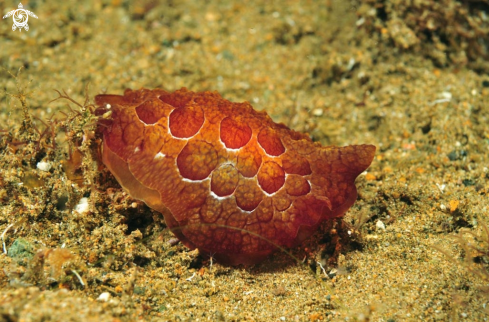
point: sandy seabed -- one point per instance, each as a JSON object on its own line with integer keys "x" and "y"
{"x": 412, "y": 248}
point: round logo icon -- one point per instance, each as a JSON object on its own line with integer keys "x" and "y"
{"x": 20, "y": 17}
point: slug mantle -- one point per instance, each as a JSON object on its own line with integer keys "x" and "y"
{"x": 228, "y": 180}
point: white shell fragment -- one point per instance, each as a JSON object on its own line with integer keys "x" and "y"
{"x": 44, "y": 166}
{"x": 380, "y": 225}
{"x": 82, "y": 206}
{"x": 105, "y": 296}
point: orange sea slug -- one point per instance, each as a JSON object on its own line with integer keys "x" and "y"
{"x": 228, "y": 180}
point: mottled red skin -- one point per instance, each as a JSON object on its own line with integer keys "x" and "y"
{"x": 228, "y": 180}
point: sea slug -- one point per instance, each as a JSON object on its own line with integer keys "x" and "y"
{"x": 228, "y": 180}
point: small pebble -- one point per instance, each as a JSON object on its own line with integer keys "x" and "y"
{"x": 317, "y": 112}
{"x": 105, "y": 296}
{"x": 44, "y": 166}
{"x": 82, "y": 206}
{"x": 173, "y": 241}
{"x": 380, "y": 225}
